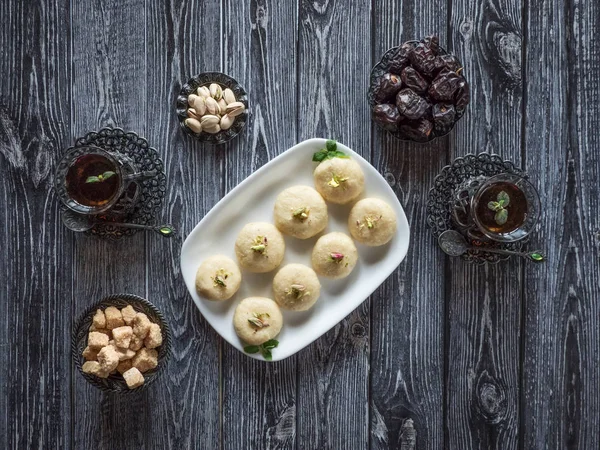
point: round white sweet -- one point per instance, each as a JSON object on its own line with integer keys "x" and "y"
{"x": 339, "y": 180}
{"x": 218, "y": 278}
{"x": 257, "y": 319}
{"x": 259, "y": 247}
{"x": 372, "y": 222}
{"x": 296, "y": 287}
{"x": 334, "y": 255}
{"x": 300, "y": 211}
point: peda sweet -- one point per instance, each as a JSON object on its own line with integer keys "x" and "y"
{"x": 334, "y": 255}
{"x": 218, "y": 278}
{"x": 339, "y": 180}
{"x": 296, "y": 287}
{"x": 259, "y": 247}
{"x": 257, "y": 319}
{"x": 301, "y": 212}
{"x": 372, "y": 222}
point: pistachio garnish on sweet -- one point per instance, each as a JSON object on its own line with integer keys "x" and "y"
{"x": 260, "y": 244}
{"x": 219, "y": 279}
{"x": 301, "y": 213}
{"x": 297, "y": 291}
{"x": 336, "y": 181}
{"x": 259, "y": 320}
{"x": 369, "y": 222}
{"x": 212, "y": 101}
{"x": 336, "y": 257}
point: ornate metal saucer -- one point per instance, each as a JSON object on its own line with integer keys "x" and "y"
{"x": 204, "y": 79}
{"x": 142, "y": 201}
{"x": 453, "y": 188}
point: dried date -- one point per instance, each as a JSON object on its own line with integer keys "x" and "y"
{"x": 387, "y": 116}
{"x": 401, "y": 59}
{"x": 423, "y": 57}
{"x": 411, "y": 105}
{"x": 444, "y": 116}
{"x": 386, "y": 87}
{"x": 447, "y": 62}
{"x": 417, "y": 131}
{"x": 413, "y": 79}
{"x": 444, "y": 86}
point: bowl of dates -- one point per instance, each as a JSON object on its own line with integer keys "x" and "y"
{"x": 418, "y": 91}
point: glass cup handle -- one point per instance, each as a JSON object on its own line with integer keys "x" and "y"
{"x": 140, "y": 176}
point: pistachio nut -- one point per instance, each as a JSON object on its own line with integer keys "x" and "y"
{"x": 214, "y": 129}
{"x": 203, "y": 91}
{"x": 191, "y": 112}
{"x": 226, "y": 122}
{"x": 193, "y": 125}
{"x": 223, "y": 105}
{"x": 216, "y": 91}
{"x": 200, "y": 105}
{"x": 209, "y": 120}
{"x": 191, "y": 99}
{"x": 229, "y": 96}
{"x": 212, "y": 106}
{"x": 235, "y": 109}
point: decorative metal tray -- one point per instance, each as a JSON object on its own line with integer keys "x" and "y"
{"x": 458, "y": 175}
{"x": 143, "y": 200}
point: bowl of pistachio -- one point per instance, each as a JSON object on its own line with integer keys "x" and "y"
{"x": 212, "y": 107}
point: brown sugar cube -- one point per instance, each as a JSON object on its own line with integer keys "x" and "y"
{"x": 99, "y": 320}
{"x": 133, "y": 378}
{"x": 101, "y": 330}
{"x": 90, "y": 354}
{"x": 97, "y": 340}
{"x": 114, "y": 319}
{"x": 122, "y": 336}
{"x": 124, "y": 366}
{"x": 136, "y": 343}
{"x": 145, "y": 359}
{"x": 141, "y": 325}
{"x": 128, "y": 314}
{"x": 124, "y": 353}
{"x": 94, "y": 368}
{"x": 154, "y": 338}
{"x": 108, "y": 358}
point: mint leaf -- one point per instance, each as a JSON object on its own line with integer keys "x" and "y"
{"x": 320, "y": 156}
{"x": 338, "y": 154}
{"x": 329, "y": 152}
{"x": 267, "y": 354}
{"x": 106, "y": 175}
{"x": 271, "y": 344}
{"x": 501, "y": 216}
{"x": 92, "y": 180}
{"x": 251, "y": 348}
{"x": 503, "y": 198}
{"x": 331, "y": 145}
{"x": 494, "y": 206}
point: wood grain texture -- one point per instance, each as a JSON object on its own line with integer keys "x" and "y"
{"x": 333, "y": 371}
{"x": 109, "y": 60}
{"x": 561, "y": 402}
{"x": 407, "y": 355}
{"x": 259, "y": 399}
{"x": 484, "y": 303}
{"x": 187, "y": 400}
{"x": 35, "y": 366}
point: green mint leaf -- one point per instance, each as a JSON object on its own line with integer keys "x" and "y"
{"x": 267, "y": 354}
{"x": 319, "y": 156}
{"x": 501, "y": 216}
{"x": 106, "y": 175}
{"x": 251, "y": 348}
{"x": 338, "y": 154}
{"x": 494, "y": 206}
{"x": 331, "y": 145}
{"x": 167, "y": 231}
{"x": 503, "y": 198}
{"x": 92, "y": 180}
{"x": 271, "y": 344}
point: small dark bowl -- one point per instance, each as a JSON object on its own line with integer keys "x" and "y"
{"x": 204, "y": 79}
{"x": 115, "y": 383}
{"x": 381, "y": 68}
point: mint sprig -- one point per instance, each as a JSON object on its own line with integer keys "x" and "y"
{"x": 264, "y": 349}
{"x": 329, "y": 152}
{"x": 100, "y": 177}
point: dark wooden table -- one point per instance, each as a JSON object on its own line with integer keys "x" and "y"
{"x": 502, "y": 356}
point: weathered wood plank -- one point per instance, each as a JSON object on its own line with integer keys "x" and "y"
{"x": 561, "y": 401}
{"x": 408, "y": 310}
{"x": 483, "y": 303}
{"x": 259, "y": 46}
{"x": 109, "y": 60}
{"x": 333, "y": 63}
{"x": 186, "y": 409}
{"x": 35, "y": 364}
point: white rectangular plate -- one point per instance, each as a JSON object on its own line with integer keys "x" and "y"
{"x": 252, "y": 201}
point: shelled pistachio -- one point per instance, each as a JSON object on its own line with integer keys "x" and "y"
{"x": 212, "y": 109}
